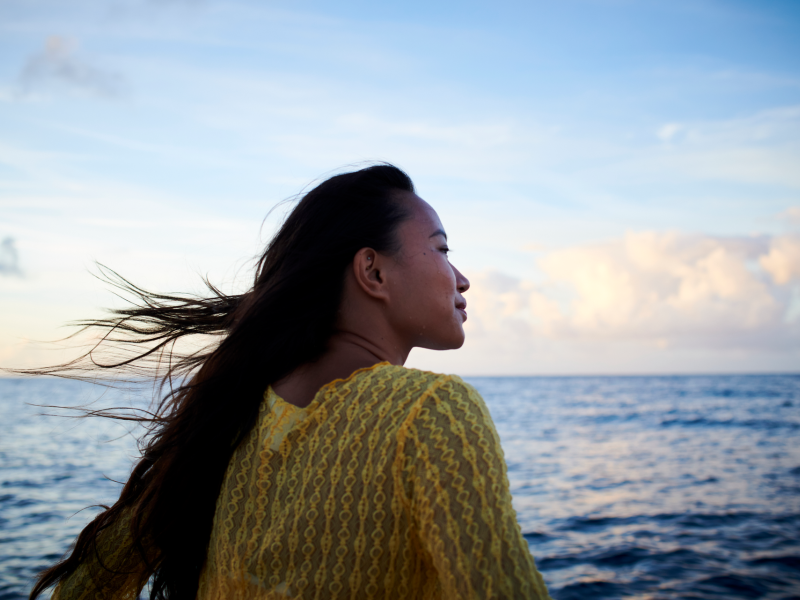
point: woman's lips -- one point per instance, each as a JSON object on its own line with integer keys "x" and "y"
{"x": 461, "y": 306}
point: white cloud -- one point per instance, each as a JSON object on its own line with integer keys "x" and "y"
{"x": 783, "y": 260}
{"x": 661, "y": 289}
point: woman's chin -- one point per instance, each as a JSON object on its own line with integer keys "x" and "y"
{"x": 454, "y": 341}
{"x": 457, "y": 340}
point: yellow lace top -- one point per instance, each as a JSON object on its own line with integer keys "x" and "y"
{"x": 390, "y": 484}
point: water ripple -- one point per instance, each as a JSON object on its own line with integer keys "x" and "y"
{"x": 625, "y": 487}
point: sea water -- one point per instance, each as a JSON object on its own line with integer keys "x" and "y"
{"x": 625, "y": 487}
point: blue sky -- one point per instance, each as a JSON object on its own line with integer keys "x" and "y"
{"x": 619, "y": 179}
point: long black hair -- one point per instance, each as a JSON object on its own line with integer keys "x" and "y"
{"x": 285, "y": 320}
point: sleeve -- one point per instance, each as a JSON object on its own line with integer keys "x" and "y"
{"x": 114, "y": 569}
{"x": 455, "y": 482}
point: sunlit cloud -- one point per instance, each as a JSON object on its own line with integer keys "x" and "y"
{"x": 662, "y": 288}
{"x": 783, "y": 260}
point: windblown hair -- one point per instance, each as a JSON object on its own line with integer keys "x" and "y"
{"x": 264, "y": 334}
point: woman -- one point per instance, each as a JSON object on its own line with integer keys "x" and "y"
{"x": 301, "y": 459}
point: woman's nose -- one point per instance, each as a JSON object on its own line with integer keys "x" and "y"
{"x": 462, "y": 283}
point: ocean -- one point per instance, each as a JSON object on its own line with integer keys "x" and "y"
{"x": 657, "y": 487}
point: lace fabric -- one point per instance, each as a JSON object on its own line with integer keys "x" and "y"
{"x": 390, "y": 484}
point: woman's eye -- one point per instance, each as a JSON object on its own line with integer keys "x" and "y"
{"x": 444, "y": 249}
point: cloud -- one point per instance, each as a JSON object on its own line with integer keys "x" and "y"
{"x": 57, "y": 63}
{"x": 660, "y": 288}
{"x": 791, "y": 215}
{"x": 9, "y": 257}
{"x": 783, "y": 260}
{"x": 667, "y": 132}
{"x": 760, "y": 148}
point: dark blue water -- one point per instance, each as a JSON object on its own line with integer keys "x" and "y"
{"x": 626, "y": 487}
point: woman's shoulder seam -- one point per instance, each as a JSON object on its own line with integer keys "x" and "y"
{"x": 421, "y": 373}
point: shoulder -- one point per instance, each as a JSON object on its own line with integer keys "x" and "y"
{"x": 411, "y": 393}
{"x": 427, "y": 397}
{"x": 421, "y": 386}
{"x": 446, "y": 388}
{"x": 449, "y": 422}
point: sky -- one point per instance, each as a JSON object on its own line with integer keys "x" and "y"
{"x": 619, "y": 179}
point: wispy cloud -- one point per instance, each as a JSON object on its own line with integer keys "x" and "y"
{"x": 760, "y": 148}
{"x": 667, "y": 131}
{"x": 9, "y": 257}
{"x": 791, "y": 215}
{"x": 59, "y": 64}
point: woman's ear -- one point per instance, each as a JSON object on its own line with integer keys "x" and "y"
{"x": 367, "y": 268}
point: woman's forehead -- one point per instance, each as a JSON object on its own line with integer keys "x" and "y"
{"x": 424, "y": 220}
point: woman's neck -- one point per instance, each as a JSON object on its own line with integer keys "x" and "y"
{"x": 347, "y": 352}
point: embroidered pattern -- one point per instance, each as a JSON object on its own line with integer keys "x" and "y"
{"x": 390, "y": 484}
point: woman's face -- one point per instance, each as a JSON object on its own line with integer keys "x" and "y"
{"x": 426, "y": 303}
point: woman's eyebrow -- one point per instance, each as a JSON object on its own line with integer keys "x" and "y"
{"x": 438, "y": 232}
